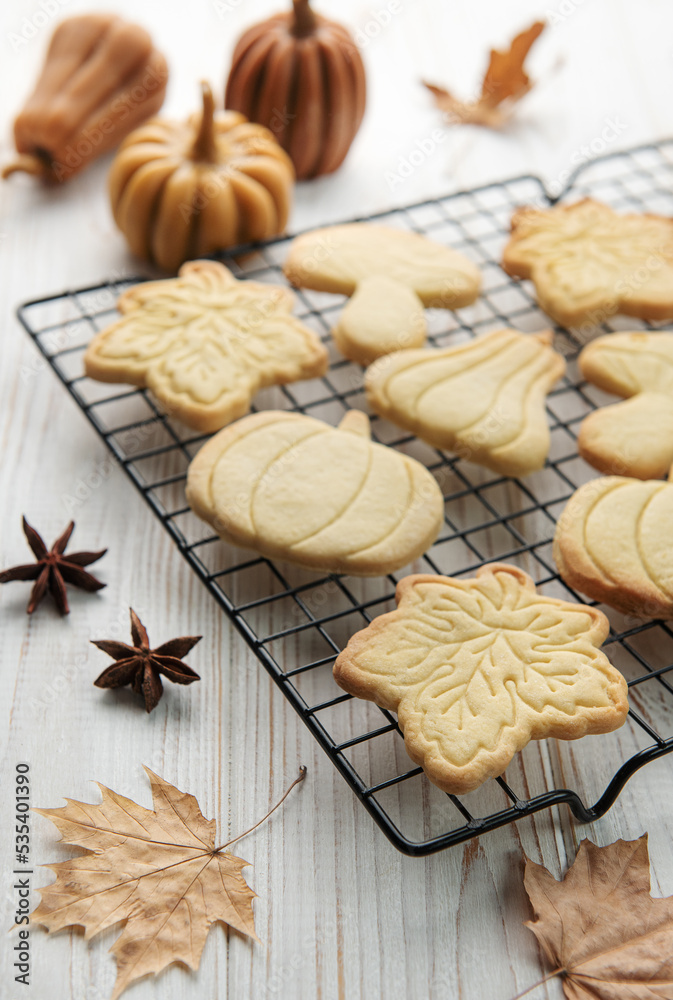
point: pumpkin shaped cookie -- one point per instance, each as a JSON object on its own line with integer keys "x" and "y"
{"x": 294, "y": 488}
{"x": 204, "y": 343}
{"x": 633, "y": 438}
{"x": 614, "y": 543}
{"x": 483, "y": 399}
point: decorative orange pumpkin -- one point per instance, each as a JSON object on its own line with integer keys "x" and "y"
{"x": 301, "y": 76}
{"x": 183, "y": 190}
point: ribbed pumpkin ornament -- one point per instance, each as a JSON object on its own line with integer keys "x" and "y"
{"x": 181, "y": 190}
{"x": 302, "y": 76}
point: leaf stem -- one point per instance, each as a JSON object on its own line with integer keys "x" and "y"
{"x": 302, "y": 775}
{"x": 540, "y": 982}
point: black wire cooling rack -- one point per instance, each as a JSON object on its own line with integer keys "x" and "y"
{"x": 296, "y": 621}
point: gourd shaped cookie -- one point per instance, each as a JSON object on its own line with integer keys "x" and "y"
{"x": 475, "y": 669}
{"x": 587, "y": 262}
{"x": 391, "y": 275}
{"x": 633, "y": 438}
{"x": 326, "y": 498}
{"x": 614, "y": 543}
{"x": 484, "y": 399}
{"x": 204, "y": 343}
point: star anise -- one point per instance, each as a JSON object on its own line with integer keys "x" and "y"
{"x": 141, "y": 666}
{"x": 53, "y": 569}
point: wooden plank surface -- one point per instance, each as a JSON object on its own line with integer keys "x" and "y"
{"x": 340, "y": 913}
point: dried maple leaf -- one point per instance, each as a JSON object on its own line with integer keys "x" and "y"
{"x": 600, "y": 928}
{"x": 505, "y": 82}
{"x": 157, "y": 872}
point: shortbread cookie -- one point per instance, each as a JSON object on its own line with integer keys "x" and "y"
{"x": 477, "y": 668}
{"x": 614, "y": 543}
{"x": 294, "y": 488}
{"x": 381, "y": 317}
{"x": 634, "y": 438}
{"x": 588, "y": 263}
{"x": 204, "y": 343}
{"x": 344, "y": 259}
{"x": 484, "y": 399}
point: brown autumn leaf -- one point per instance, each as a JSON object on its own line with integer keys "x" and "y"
{"x": 599, "y": 927}
{"x": 504, "y": 84}
{"x": 157, "y": 872}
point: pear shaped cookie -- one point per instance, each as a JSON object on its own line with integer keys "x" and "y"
{"x": 483, "y": 399}
{"x": 204, "y": 343}
{"x": 391, "y": 274}
{"x": 475, "y": 669}
{"x": 294, "y": 488}
{"x": 614, "y": 543}
{"x": 633, "y": 438}
{"x": 587, "y": 262}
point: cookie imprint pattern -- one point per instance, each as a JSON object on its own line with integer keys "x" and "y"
{"x": 476, "y": 668}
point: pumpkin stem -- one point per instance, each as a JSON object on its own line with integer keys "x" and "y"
{"x": 28, "y": 163}
{"x": 204, "y": 147}
{"x": 304, "y": 19}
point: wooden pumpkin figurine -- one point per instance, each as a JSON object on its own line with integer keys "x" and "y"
{"x": 101, "y": 78}
{"x": 301, "y": 75}
{"x": 182, "y": 190}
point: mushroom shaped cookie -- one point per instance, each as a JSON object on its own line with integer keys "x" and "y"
{"x": 475, "y": 669}
{"x": 484, "y": 399}
{"x": 633, "y": 438}
{"x": 391, "y": 275}
{"x": 614, "y": 543}
{"x": 587, "y": 262}
{"x": 294, "y": 488}
{"x": 204, "y": 343}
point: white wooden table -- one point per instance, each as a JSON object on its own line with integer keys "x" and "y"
{"x": 340, "y": 913}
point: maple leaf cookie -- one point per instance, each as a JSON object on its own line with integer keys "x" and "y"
{"x": 633, "y": 438}
{"x": 614, "y": 543}
{"x": 484, "y": 399}
{"x": 391, "y": 275}
{"x": 477, "y": 668}
{"x": 294, "y": 488}
{"x": 204, "y": 343}
{"x": 588, "y": 263}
